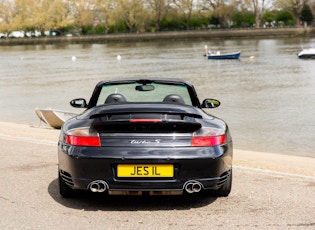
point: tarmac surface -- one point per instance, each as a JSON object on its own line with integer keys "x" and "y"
{"x": 270, "y": 191}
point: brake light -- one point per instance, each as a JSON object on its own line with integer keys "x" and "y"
{"x": 83, "y": 137}
{"x": 83, "y": 141}
{"x": 198, "y": 141}
{"x": 146, "y": 120}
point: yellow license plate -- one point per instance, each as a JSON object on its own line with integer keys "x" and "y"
{"x": 145, "y": 170}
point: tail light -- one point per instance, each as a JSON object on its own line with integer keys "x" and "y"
{"x": 208, "y": 137}
{"x": 83, "y": 137}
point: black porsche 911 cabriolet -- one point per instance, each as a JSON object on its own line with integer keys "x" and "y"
{"x": 145, "y": 136}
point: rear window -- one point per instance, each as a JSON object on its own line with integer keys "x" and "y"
{"x": 135, "y": 92}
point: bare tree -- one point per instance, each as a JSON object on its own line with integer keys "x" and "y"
{"x": 186, "y": 9}
{"x": 52, "y": 14}
{"x": 158, "y": 10}
{"x": 221, "y": 9}
{"x": 21, "y": 14}
{"x": 259, "y": 8}
{"x": 132, "y": 13}
{"x": 81, "y": 12}
{"x": 37, "y": 14}
{"x": 102, "y": 12}
{"x": 6, "y": 9}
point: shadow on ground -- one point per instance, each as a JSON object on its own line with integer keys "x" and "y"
{"x": 89, "y": 201}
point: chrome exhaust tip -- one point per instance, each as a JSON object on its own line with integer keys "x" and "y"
{"x": 192, "y": 186}
{"x": 98, "y": 186}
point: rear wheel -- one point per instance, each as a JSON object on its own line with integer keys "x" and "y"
{"x": 64, "y": 190}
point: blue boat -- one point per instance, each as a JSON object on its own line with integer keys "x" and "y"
{"x": 218, "y": 55}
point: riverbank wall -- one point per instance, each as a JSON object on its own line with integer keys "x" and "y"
{"x": 175, "y": 35}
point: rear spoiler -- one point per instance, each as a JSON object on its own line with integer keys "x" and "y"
{"x": 160, "y": 114}
{"x": 145, "y": 123}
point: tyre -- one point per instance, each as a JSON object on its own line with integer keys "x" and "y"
{"x": 64, "y": 190}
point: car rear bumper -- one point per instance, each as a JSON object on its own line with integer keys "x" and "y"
{"x": 194, "y": 168}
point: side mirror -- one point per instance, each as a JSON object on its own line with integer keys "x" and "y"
{"x": 210, "y": 103}
{"x": 78, "y": 103}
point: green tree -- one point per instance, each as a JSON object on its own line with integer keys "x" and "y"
{"x": 306, "y": 14}
{"x": 270, "y": 16}
{"x": 285, "y": 17}
{"x": 243, "y": 19}
{"x": 170, "y": 24}
{"x": 294, "y": 6}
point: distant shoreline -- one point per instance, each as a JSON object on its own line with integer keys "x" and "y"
{"x": 174, "y": 35}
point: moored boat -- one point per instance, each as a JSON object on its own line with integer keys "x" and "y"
{"x": 53, "y": 117}
{"x": 219, "y": 55}
{"x": 307, "y": 53}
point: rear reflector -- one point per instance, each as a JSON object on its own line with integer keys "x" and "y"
{"x": 199, "y": 141}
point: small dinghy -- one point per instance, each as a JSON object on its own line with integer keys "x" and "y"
{"x": 219, "y": 55}
{"x": 53, "y": 117}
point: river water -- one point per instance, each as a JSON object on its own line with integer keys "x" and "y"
{"x": 268, "y": 96}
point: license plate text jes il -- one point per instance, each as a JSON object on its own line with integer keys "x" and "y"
{"x": 145, "y": 170}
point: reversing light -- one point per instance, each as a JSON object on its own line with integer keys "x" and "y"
{"x": 208, "y": 137}
{"x": 83, "y": 137}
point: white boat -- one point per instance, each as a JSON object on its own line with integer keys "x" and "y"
{"x": 307, "y": 53}
{"x": 53, "y": 117}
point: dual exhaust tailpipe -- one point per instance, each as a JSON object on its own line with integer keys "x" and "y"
{"x": 98, "y": 186}
{"x": 101, "y": 186}
{"x": 192, "y": 186}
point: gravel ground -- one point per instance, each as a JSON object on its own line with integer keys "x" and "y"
{"x": 260, "y": 198}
